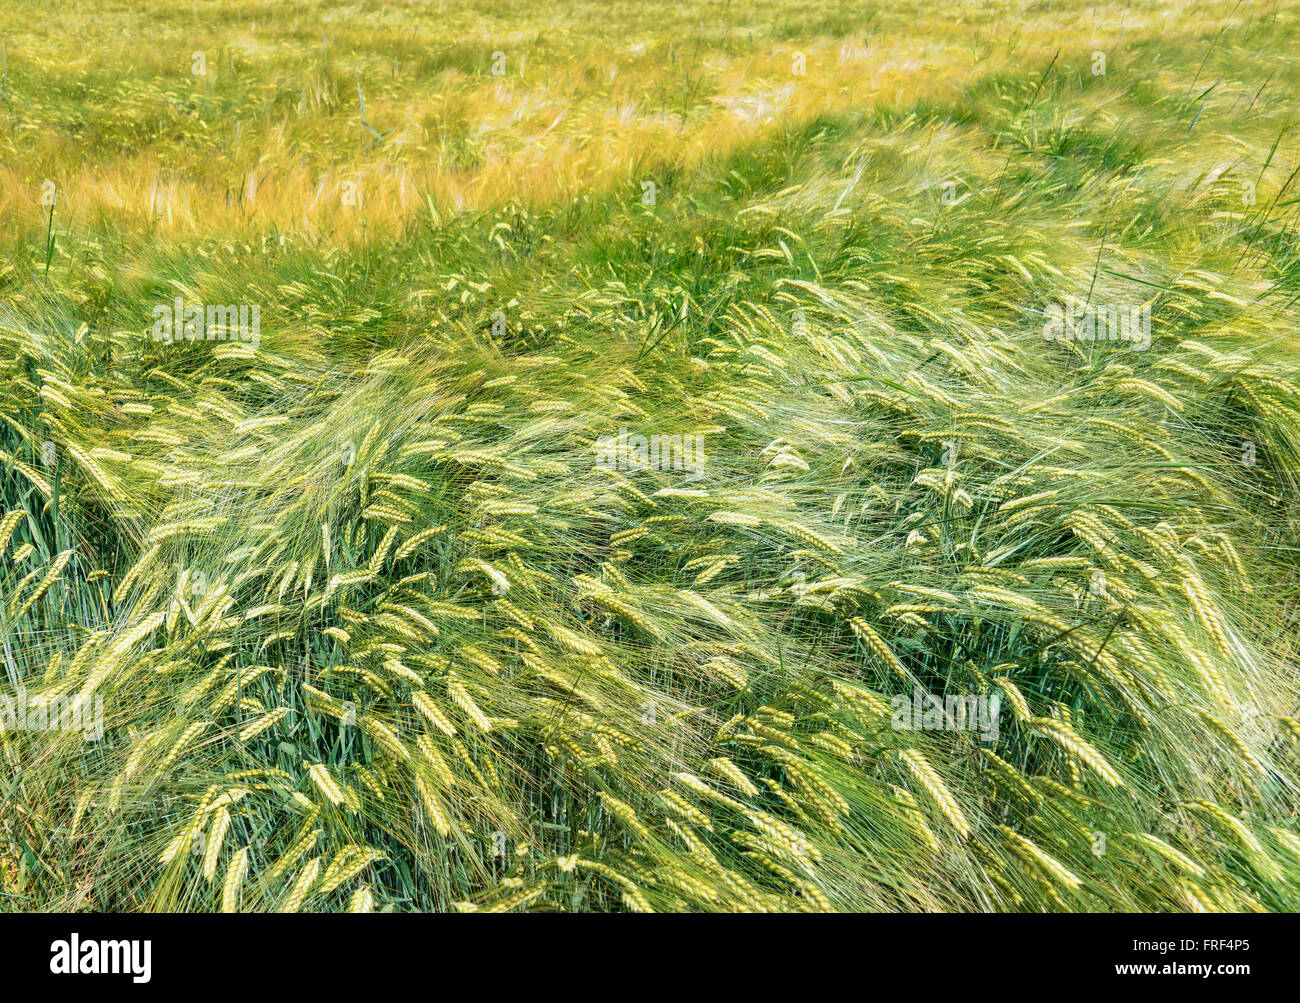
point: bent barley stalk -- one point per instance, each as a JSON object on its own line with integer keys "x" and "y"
{"x": 779, "y": 505}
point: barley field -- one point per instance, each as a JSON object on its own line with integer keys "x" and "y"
{"x": 743, "y": 455}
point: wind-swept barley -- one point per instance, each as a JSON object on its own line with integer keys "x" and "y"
{"x": 234, "y": 879}
{"x": 938, "y": 791}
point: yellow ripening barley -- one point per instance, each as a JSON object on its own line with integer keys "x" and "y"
{"x": 810, "y": 783}
{"x": 1249, "y": 842}
{"x": 1209, "y": 674}
{"x": 111, "y": 486}
{"x": 725, "y": 768}
{"x": 736, "y": 519}
{"x": 925, "y": 591}
{"x": 728, "y": 670}
{"x": 1011, "y": 777}
{"x": 52, "y": 576}
{"x": 707, "y": 608}
{"x": 461, "y": 697}
{"x": 1292, "y": 728}
{"x": 935, "y": 787}
{"x": 232, "y": 796}
{"x": 516, "y": 900}
{"x": 427, "y": 706}
{"x": 1234, "y": 560}
{"x": 113, "y": 653}
{"x": 233, "y": 880}
{"x": 347, "y": 864}
{"x": 627, "y": 612}
{"x": 1054, "y": 624}
{"x": 1034, "y": 499}
{"x": 1289, "y": 840}
{"x": 804, "y": 534}
{"x": 1230, "y": 738}
{"x": 573, "y": 641}
{"x": 1206, "y": 612}
{"x": 302, "y": 886}
{"x": 301, "y": 846}
{"x": 624, "y": 813}
{"x": 676, "y": 803}
{"x": 1044, "y": 860}
{"x": 637, "y": 902}
{"x": 325, "y": 783}
{"x": 376, "y": 563}
{"x": 860, "y": 698}
{"x": 915, "y": 819}
{"x": 344, "y": 579}
{"x": 1072, "y": 742}
{"x": 7, "y": 525}
{"x": 1174, "y": 856}
{"x": 182, "y": 841}
{"x": 409, "y": 546}
{"x": 21, "y": 555}
{"x": 188, "y": 735}
{"x": 363, "y": 900}
{"x": 1006, "y": 597}
{"x": 384, "y": 737}
{"x": 515, "y": 613}
{"x": 415, "y": 616}
{"x": 432, "y": 806}
{"x": 1196, "y": 900}
{"x": 216, "y": 836}
{"x": 902, "y": 609}
{"x": 479, "y": 657}
{"x": 1149, "y": 389}
{"x": 1019, "y": 705}
{"x": 877, "y": 645}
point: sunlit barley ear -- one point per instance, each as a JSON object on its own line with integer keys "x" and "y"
{"x": 498, "y": 64}
{"x": 49, "y": 453}
{"x": 648, "y": 193}
{"x": 1248, "y": 453}
{"x": 1247, "y": 194}
{"x": 1098, "y": 844}
{"x": 799, "y": 64}
{"x": 198, "y": 63}
{"x": 1099, "y": 64}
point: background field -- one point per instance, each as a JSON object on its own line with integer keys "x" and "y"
{"x": 370, "y": 625}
